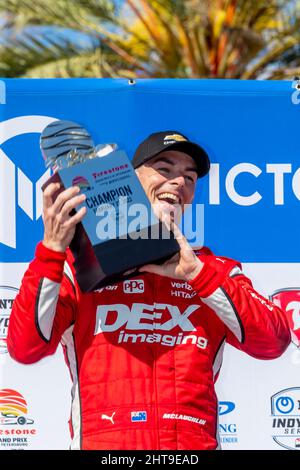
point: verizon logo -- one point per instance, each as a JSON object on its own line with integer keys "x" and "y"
{"x": 181, "y": 285}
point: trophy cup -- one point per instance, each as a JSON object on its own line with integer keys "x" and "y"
{"x": 107, "y": 243}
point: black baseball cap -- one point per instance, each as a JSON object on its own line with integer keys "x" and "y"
{"x": 171, "y": 140}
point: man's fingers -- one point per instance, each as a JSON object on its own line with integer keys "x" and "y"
{"x": 71, "y": 204}
{"x": 182, "y": 242}
{"x": 75, "y": 218}
{"x": 64, "y": 196}
{"x": 48, "y": 194}
{"x": 175, "y": 258}
{"x": 126, "y": 273}
{"x": 150, "y": 268}
{"x": 166, "y": 220}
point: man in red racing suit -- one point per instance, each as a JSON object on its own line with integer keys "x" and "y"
{"x": 143, "y": 353}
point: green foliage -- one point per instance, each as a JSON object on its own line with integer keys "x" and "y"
{"x": 150, "y": 38}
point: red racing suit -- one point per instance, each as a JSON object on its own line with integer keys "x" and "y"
{"x": 143, "y": 353}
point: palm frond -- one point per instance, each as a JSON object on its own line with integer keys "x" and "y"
{"x": 159, "y": 38}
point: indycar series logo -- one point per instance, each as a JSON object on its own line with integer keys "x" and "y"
{"x": 285, "y": 418}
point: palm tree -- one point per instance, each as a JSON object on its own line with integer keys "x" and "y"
{"x": 150, "y": 38}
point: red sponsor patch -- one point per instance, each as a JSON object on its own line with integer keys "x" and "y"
{"x": 288, "y": 299}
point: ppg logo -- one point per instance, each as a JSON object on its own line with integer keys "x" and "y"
{"x": 135, "y": 286}
{"x": 22, "y": 174}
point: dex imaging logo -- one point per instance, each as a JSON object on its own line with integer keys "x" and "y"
{"x": 7, "y": 296}
{"x": 22, "y": 174}
{"x": 285, "y": 414}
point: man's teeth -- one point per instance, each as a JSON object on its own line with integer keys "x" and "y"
{"x": 168, "y": 196}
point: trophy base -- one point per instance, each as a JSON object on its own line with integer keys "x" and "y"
{"x": 103, "y": 264}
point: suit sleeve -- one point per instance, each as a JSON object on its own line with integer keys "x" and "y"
{"x": 44, "y": 308}
{"x": 253, "y": 323}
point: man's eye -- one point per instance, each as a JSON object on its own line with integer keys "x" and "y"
{"x": 163, "y": 169}
{"x": 189, "y": 178}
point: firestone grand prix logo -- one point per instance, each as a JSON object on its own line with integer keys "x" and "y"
{"x": 7, "y": 296}
{"x": 15, "y": 424}
{"x": 288, "y": 299}
{"x": 82, "y": 183}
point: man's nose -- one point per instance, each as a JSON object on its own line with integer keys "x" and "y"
{"x": 178, "y": 180}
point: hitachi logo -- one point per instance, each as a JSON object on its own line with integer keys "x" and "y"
{"x": 140, "y": 316}
{"x": 182, "y": 294}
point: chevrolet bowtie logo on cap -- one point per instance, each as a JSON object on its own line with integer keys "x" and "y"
{"x": 171, "y": 139}
{"x": 159, "y": 142}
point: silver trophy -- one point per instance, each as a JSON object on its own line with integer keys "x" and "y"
{"x": 66, "y": 143}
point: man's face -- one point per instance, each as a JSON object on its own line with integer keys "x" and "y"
{"x": 169, "y": 180}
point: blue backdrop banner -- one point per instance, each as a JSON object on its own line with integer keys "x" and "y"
{"x": 249, "y": 128}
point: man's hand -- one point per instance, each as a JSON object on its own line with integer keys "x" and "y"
{"x": 59, "y": 225}
{"x": 184, "y": 265}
